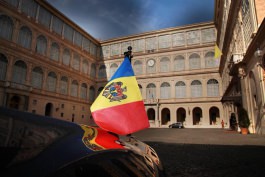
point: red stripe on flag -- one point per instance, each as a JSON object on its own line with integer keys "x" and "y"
{"x": 122, "y": 119}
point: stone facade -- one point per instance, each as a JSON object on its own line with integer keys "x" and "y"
{"x": 50, "y": 66}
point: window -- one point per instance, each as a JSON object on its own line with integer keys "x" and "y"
{"x": 165, "y": 65}
{"x": 85, "y": 66}
{"x": 41, "y": 45}
{"x": 34, "y": 102}
{"x": 195, "y": 62}
{"x": 91, "y": 94}
{"x": 86, "y": 44}
{"x": 212, "y": 87}
{"x": 76, "y": 62}
{"x": 6, "y": 29}
{"x": 66, "y": 57}
{"x": 102, "y": 72}
{"x": 165, "y": 90}
{"x": 93, "y": 70}
{"x": 74, "y": 88}
{"x": 210, "y": 61}
{"x": 180, "y": 89}
{"x": 151, "y": 91}
{"x": 64, "y": 85}
{"x": 13, "y": 2}
{"x": 57, "y": 25}
{"x": 78, "y": 39}
{"x": 37, "y": 76}
{"x": 51, "y": 82}
{"x": 138, "y": 67}
{"x": 44, "y": 17}
{"x": 68, "y": 32}
{"x": 54, "y": 53}
{"x": 83, "y": 91}
{"x": 113, "y": 68}
{"x": 3, "y": 66}
{"x": 196, "y": 88}
{"x": 19, "y": 72}
{"x": 62, "y": 106}
{"x": 25, "y": 37}
{"x": 61, "y": 114}
{"x": 29, "y": 7}
{"x": 179, "y": 63}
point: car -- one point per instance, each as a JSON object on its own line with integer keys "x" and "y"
{"x": 176, "y": 125}
{"x": 35, "y": 145}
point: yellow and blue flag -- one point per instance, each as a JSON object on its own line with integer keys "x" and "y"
{"x": 119, "y": 108}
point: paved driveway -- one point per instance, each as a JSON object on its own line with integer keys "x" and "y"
{"x": 207, "y": 152}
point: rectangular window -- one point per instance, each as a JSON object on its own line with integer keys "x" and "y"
{"x": 57, "y": 25}
{"x": 86, "y": 45}
{"x": 62, "y": 114}
{"x": 29, "y": 7}
{"x": 68, "y": 32}
{"x": 78, "y": 39}
{"x": 62, "y": 105}
{"x": 44, "y": 17}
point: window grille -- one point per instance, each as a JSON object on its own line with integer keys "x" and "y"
{"x": 165, "y": 90}
{"x": 64, "y": 85}
{"x": 44, "y": 17}
{"x": 41, "y": 45}
{"x": 57, "y": 25}
{"x": 76, "y": 62}
{"x": 195, "y": 62}
{"x": 66, "y": 57}
{"x": 151, "y": 91}
{"x": 51, "y": 82}
{"x": 29, "y": 7}
{"x": 196, "y": 88}
{"x": 210, "y": 61}
{"x": 68, "y": 32}
{"x": 179, "y": 63}
{"x": 138, "y": 67}
{"x": 25, "y": 37}
{"x": 74, "y": 88}
{"x": 212, "y": 88}
{"x": 54, "y": 53}
{"x": 85, "y": 66}
{"x": 164, "y": 64}
{"x": 78, "y": 39}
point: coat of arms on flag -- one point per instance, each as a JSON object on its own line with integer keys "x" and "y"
{"x": 119, "y": 108}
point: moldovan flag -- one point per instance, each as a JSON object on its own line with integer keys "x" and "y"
{"x": 217, "y": 52}
{"x": 119, "y": 108}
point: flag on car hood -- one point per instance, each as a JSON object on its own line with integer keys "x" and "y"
{"x": 119, "y": 108}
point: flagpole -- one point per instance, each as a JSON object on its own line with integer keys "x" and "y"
{"x": 129, "y": 54}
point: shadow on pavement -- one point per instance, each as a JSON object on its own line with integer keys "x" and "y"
{"x": 192, "y": 160}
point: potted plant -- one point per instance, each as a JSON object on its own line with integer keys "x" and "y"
{"x": 243, "y": 120}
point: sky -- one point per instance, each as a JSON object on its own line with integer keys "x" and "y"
{"x": 106, "y": 19}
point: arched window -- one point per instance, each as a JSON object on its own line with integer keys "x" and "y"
{"x": 3, "y": 66}
{"x": 51, "y": 82}
{"x": 85, "y": 66}
{"x": 151, "y": 91}
{"x": 138, "y": 67}
{"x": 64, "y": 85}
{"x": 113, "y": 68}
{"x": 195, "y": 61}
{"x": 41, "y": 45}
{"x": 179, "y": 63}
{"x": 83, "y": 91}
{"x": 25, "y": 37}
{"x": 37, "y": 77}
{"x": 91, "y": 94}
{"x": 76, "y": 62}
{"x": 180, "y": 89}
{"x": 19, "y": 72}
{"x": 6, "y": 29}
{"x": 165, "y": 65}
{"x": 212, "y": 87}
{"x": 165, "y": 90}
{"x": 140, "y": 88}
{"x": 93, "y": 70}
{"x": 209, "y": 60}
{"x": 66, "y": 57}
{"x": 196, "y": 88}
{"x": 102, "y": 72}
{"x": 74, "y": 88}
{"x": 54, "y": 53}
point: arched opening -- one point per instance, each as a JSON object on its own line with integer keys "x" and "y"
{"x": 151, "y": 114}
{"x": 214, "y": 115}
{"x": 165, "y": 116}
{"x": 48, "y": 109}
{"x": 14, "y": 102}
{"x": 181, "y": 115}
{"x": 197, "y": 115}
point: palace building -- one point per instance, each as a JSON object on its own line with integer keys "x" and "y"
{"x": 50, "y": 66}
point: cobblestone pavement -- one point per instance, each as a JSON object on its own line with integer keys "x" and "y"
{"x": 207, "y": 152}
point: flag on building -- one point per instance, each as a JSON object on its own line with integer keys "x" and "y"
{"x": 217, "y": 52}
{"x": 119, "y": 108}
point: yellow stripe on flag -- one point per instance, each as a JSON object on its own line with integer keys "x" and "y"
{"x": 217, "y": 52}
{"x": 129, "y": 88}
